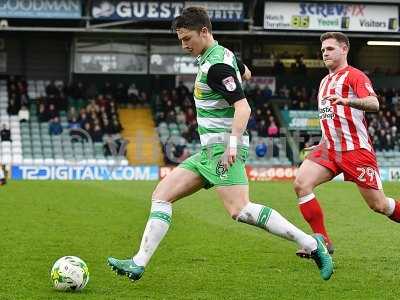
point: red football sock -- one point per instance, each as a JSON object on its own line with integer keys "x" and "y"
{"x": 396, "y": 213}
{"x": 313, "y": 214}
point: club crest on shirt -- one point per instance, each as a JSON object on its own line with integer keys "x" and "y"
{"x": 229, "y": 83}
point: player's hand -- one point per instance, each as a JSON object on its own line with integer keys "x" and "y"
{"x": 229, "y": 157}
{"x": 311, "y": 148}
{"x": 335, "y": 100}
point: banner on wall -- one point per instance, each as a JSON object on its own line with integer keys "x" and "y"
{"x": 42, "y": 9}
{"x": 302, "y": 119}
{"x": 23, "y": 172}
{"x": 259, "y": 173}
{"x": 331, "y": 16}
{"x": 163, "y": 10}
{"x": 221, "y": 11}
{"x": 390, "y": 174}
{"x": 271, "y": 173}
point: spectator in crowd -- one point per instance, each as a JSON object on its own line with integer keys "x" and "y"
{"x": 102, "y": 101}
{"x": 73, "y": 123}
{"x": 284, "y": 92}
{"x": 13, "y": 106}
{"x": 72, "y": 113}
{"x": 52, "y": 90}
{"x": 133, "y": 94}
{"x": 278, "y": 68}
{"x": 43, "y": 115}
{"x": 5, "y": 134}
{"x": 272, "y": 128}
{"x": 74, "y": 129}
{"x": 190, "y": 116}
{"x": 97, "y": 134}
{"x": 107, "y": 127}
{"x": 171, "y": 117}
{"x": 55, "y": 127}
{"x": 262, "y": 128}
{"x": 116, "y": 126}
{"x": 83, "y": 118}
{"x": 143, "y": 99}
{"x": 180, "y": 117}
{"x": 53, "y": 113}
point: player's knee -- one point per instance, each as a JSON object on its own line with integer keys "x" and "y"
{"x": 299, "y": 185}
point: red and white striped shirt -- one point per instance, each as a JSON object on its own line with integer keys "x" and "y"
{"x": 344, "y": 128}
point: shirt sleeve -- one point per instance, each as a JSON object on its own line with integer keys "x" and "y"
{"x": 362, "y": 87}
{"x": 241, "y": 67}
{"x": 223, "y": 80}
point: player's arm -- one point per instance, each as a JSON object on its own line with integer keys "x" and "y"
{"x": 366, "y": 98}
{"x": 240, "y": 118}
{"x": 244, "y": 70}
{"x": 222, "y": 79}
{"x": 368, "y": 104}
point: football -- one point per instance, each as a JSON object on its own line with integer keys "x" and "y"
{"x": 69, "y": 273}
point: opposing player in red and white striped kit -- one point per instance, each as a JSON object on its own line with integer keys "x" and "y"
{"x": 344, "y": 96}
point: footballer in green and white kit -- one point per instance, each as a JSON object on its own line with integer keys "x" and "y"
{"x": 218, "y": 86}
{"x": 222, "y": 116}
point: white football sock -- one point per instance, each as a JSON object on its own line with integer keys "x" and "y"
{"x": 156, "y": 228}
{"x": 390, "y": 206}
{"x": 270, "y": 220}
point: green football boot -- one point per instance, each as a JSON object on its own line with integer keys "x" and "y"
{"x": 304, "y": 254}
{"x": 322, "y": 258}
{"x": 126, "y": 267}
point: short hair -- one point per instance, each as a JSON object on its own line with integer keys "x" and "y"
{"x": 192, "y": 18}
{"x": 339, "y": 36}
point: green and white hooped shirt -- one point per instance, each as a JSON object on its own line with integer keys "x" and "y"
{"x": 217, "y": 87}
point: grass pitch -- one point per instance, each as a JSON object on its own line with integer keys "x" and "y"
{"x": 205, "y": 255}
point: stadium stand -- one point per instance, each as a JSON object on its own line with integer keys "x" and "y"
{"x": 33, "y": 141}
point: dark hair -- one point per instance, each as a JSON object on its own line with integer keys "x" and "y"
{"x": 340, "y": 37}
{"x": 192, "y": 18}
